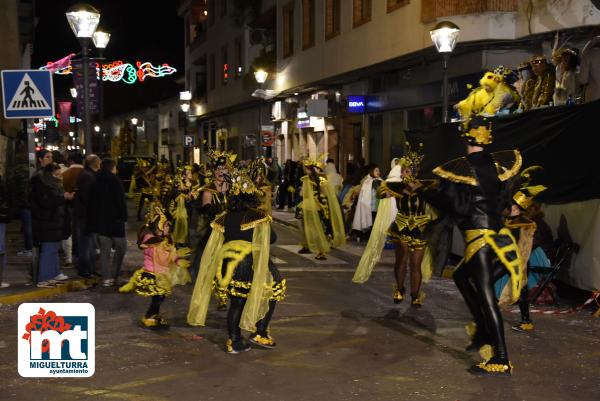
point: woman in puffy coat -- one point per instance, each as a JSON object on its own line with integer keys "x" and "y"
{"x": 50, "y": 221}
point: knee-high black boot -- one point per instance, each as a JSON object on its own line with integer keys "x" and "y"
{"x": 235, "y": 343}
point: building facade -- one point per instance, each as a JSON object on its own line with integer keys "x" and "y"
{"x": 225, "y": 42}
{"x": 354, "y": 76}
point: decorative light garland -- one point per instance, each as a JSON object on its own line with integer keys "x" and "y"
{"x": 121, "y": 71}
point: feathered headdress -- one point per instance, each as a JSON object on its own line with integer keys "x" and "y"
{"x": 412, "y": 158}
{"x": 221, "y": 158}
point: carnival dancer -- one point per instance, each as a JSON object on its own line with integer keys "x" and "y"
{"x": 523, "y": 229}
{"x": 179, "y": 206}
{"x": 319, "y": 213}
{"x": 163, "y": 268}
{"x": 236, "y": 260}
{"x": 475, "y": 191}
{"x": 410, "y": 214}
{"x": 212, "y": 200}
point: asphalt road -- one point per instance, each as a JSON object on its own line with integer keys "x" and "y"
{"x": 336, "y": 341}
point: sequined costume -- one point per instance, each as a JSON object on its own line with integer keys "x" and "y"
{"x": 163, "y": 267}
{"x": 475, "y": 191}
{"x": 236, "y": 261}
{"x": 319, "y": 213}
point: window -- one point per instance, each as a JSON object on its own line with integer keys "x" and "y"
{"x": 308, "y": 23}
{"x": 332, "y": 18}
{"x": 393, "y": 5}
{"x": 200, "y": 85}
{"x": 288, "y": 29}
{"x": 224, "y": 66}
{"x": 361, "y": 12}
{"x": 237, "y": 58}
{"x": 211, "y": 12}
{"x": 211, "y": 72}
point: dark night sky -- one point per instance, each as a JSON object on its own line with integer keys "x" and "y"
{"x": 140, "y": 30}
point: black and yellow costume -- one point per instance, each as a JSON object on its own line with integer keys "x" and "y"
{"x": 412, "y": 216}
{"x": 523, "y": 229}
{"x": 475, "y": 191}
{"x": 320, "y": 214}
{"x": 163, "y": 268}
{"x": 539, "y": 90}
{"x": 236, "y": 262}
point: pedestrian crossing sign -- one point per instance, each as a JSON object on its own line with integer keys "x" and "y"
{"x": 27, "y": 94}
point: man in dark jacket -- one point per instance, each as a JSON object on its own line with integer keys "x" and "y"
{"x": 107, "y": 215}
{"x": 4, "y": 219}
{"x": 85, "y": 240}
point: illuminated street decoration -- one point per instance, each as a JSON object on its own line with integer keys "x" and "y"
{"x": 120, "y": 71}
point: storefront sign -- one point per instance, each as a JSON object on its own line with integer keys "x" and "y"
{"x": 356, "y": 104}
{"x": 303, "y": 123}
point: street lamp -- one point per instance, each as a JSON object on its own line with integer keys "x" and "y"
{"x": 261, "y": 77}
{"x": 101, "y": 39}
{"x": 444, "y": 36}
{"x": 83, "y": 20}
{"x": 185, "y": 107}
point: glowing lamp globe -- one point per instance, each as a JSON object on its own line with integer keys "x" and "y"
{"x": 444, "y": 36}
{"x": 83, "y": 20}
{"x": 101, "y": 39}
{"x": 261, "y": 76}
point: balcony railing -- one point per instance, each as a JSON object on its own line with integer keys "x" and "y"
{"x": 433, "y": 9}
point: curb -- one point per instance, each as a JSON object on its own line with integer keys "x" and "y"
{"x": 37, "y": 293}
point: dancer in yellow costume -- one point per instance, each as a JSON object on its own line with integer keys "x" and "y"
{"x": 236, "y": 260}
{"x": 409, "y": 215}
{"x": 320, "y": 215}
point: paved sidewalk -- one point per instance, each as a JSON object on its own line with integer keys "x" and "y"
{"x": 17, "y": 270}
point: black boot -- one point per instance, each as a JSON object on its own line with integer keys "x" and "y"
{"x": 235, "y": 343}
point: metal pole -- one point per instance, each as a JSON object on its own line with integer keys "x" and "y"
{"x": 87, "y": 132}
{"x": 446, "y": 56}
{"x": 102, "y": 140}
{"x": 259, "y": 152}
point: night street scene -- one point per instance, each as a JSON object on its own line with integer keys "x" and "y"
{"x": 300, "y": 200}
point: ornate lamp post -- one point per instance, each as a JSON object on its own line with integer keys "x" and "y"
{"x": 83, "y": 20}
{"x": 261, "y": 77}
{"x": 101, "y": 40}
{"x": 444, "y": 36}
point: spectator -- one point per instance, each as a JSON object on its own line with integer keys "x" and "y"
{"x": 543, "y": 88}
{"x": 287, "y": 186}
{"x": 589, "y": 73}
{"x": 4, "y": 219}
{"x": 524, "y": 84}
{"x": 107, "y": 215}
{"x": 334, "y": 178}
{"x": 69, "y": 177}
{"x": 50, "y": 221}
{"x": 566, "y": 61}
{"x": 20, "y": 196}
{"x": 366, "y": 206}
{"x": 86, "y": 249}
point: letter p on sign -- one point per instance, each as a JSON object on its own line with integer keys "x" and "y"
{"x": 188, "y": 141}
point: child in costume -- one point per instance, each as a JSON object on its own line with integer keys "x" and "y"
{"x": 163, "y": 267}
{"x": 523, "y": 229}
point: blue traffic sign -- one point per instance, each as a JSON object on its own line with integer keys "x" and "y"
{"x": 27, "y": 93}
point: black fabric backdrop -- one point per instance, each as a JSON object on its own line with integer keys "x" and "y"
{"x": 564, "y": 140}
